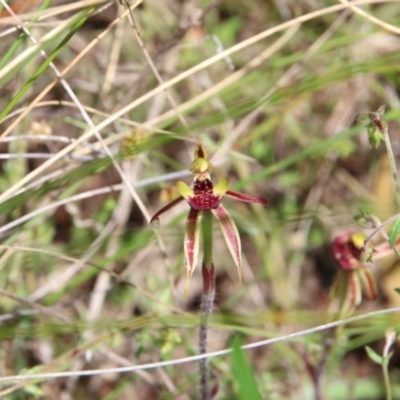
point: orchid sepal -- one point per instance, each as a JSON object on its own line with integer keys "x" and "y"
{"x": 173, "y": 203}
{"x": 231, "y": 236}
{"x": 247, "y": 198}
{"x": 192, "y": 244}
{"x": 368, "y": 284}
{"x": 354, "y": 275}
{"x": 354, "y": 290}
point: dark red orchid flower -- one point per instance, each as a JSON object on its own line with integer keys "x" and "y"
{"x": 355, "y": 277}
{"x": 205, "y": 196}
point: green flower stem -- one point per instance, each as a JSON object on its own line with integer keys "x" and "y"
{"x": 207, "y": 300}
{"x": 385, "y": 369}
{"x": 206, "y": 228}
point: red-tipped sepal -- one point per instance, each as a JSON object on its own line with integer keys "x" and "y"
{"x": 191, "y": 244}
{"x": 354, "y": 292}
{"x": 231, "y": 235}
{"x": 248, "y": 198}
{"x": 166, "y": 208}
{"x": 367, "y": 283}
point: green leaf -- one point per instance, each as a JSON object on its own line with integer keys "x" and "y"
{"x": 243, "y": 373}
{"x": 373, "y": 355}
{"x": 375, "y": 137}
{"x": 394, "y": 232}
{"x": 22, "y": 36}
{"x": 397, "y": 290}
{"x": 34, "y": 390}
{"x": 80, "y": 20}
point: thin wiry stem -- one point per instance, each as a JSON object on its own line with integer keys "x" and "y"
{"x": 88, "y": 194}
{"x": 390, "y": 339}
{"x": 54, "y": 11}
{"x": 36, "y": 156}
{"x": 207, "y": 300}
{"x": 206, "y": 311}
{"x": 177, "y": 79}
{"x": 382, "y": 125}
{"x": 152, "y": 65}
{"x": 305, "y": 332}
{"x": 88, "y": 120}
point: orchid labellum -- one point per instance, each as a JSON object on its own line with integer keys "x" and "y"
{"x": 355, "y": 277}
{"x": 204, "y": 198}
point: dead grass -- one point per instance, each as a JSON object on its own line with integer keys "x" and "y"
{"x": 92, "y": 144}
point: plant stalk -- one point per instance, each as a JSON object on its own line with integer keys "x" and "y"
{"x": 385, "y": 369}
{"x": 380, "y": 123}
{"x": 392, "y": 165}
{"x": 207, "y": 303}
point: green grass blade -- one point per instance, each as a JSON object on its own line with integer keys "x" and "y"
{"x": 82, "y": 17}
{"x": 21, "y": 37}
{"x": 243, "y": 373}
{"x": 319, "y": 147}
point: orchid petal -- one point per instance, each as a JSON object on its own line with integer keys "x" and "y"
{"x": 221, "y": 187}
{"x": 192, "y": 241}
{"x": 184, "y": 190}
{"x": 367, "y": 282}
{"x": 166, "y": 208}
{"x": 248, "y": 198}
{"x": 231, "y": 235}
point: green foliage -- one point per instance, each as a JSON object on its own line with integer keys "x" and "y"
{"x": 394, "y": 231}
{"x": 373, "y": 355}
{"x": 284, "y": 127}
{"x": 243, "y": 373}
{"x": 76, "y": 24}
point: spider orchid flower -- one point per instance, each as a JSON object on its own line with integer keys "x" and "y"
{"x": 355, "y": 277}
{"x": 205, "y": 197}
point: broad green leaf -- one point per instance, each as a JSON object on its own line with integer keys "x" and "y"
{"x": 243, "y": 373}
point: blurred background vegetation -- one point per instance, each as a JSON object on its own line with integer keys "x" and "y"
{"x": 273, "y": 90}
